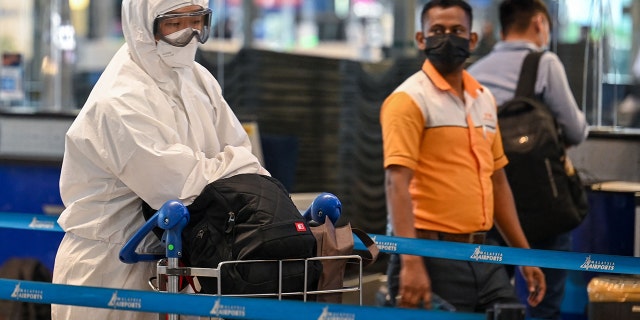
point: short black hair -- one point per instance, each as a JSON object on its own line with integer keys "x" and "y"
{"x": 515, "y": 15}
{"x": 446, "y": 4}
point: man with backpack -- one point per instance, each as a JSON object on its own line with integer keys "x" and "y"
{"x": 526, "y": 27}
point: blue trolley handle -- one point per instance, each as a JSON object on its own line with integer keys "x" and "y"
{"x": 172, "y": 217}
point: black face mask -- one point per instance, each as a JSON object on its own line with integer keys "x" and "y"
{"x": 447, "y": 52}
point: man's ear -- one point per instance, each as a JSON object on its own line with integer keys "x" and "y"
{"x": 420, "y": 40}
{"x": 473, "y": 41}
{"x": 538, "y": 23}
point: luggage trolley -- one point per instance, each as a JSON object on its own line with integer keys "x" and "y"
{"x": 173, "y": 217}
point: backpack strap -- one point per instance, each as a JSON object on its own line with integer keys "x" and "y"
{"x": 528, "y": 75}
{"x": 527, "y": 84}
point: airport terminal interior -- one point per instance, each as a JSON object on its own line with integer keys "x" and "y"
{"x": 307, "y": 79}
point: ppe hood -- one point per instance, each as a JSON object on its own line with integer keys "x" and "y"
{"x": 137, "y": 26}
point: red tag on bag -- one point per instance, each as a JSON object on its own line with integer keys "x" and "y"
{"x": 301, "y": 227}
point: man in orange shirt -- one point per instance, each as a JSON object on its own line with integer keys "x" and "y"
{"x": 443, "y": 160}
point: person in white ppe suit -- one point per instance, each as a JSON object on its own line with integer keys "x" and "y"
{"x": 154, "y": 128}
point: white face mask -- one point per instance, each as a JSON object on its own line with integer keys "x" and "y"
{"x": 177, "y": 57}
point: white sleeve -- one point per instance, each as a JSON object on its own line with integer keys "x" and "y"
{"x": 148, "y": 156}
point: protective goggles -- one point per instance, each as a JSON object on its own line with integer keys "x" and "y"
{"x": 178, "y": 29}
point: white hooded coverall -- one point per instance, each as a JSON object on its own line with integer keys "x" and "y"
{"x": 148, "y": 132}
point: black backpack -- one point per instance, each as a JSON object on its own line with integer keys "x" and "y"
{"x": 249, "y": 217}
{"x": 533, "y": 143}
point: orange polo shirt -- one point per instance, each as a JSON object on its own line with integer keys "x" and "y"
{"x": 426, "y": 128}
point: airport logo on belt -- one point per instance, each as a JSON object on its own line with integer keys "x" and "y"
{"x": 327, "y": 315}
{"x": 227, "y": 310}
{"x": 478, "y": 254}
{"x": 37, "y": 224}
{"x": 597, "y": 265}
{"x": 30, "y": 294}
{"x": 129, "y": 303}
{"x": 386, "y": 245}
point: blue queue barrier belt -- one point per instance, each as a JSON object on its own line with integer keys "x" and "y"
{"x": 506, "y": 255}
{"x": 38, "y": 222}
{"x": 429, "y": 248}
{"x": 253, "y": 308}
{"x": 207, "y": 305}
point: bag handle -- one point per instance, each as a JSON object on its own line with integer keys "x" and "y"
{"x": 372, "y": 248}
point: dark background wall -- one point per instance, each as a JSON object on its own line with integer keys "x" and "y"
{"x": 319, "y": 121}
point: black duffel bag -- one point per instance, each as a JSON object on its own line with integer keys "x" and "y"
{"x": 248, "y": 217}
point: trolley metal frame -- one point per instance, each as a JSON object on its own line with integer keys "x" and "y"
{"x": 173, "y": 217}
{"x": 172, "y": 273}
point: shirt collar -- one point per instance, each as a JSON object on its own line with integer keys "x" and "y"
{"x": 515, "y": 45}
{"x": 470, "y": 85}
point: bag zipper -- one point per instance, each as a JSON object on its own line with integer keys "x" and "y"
{"x": 231, "y": 222}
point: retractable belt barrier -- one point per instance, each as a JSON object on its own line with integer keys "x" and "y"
{"x": 255, "y": 308}
{"x": 38, "y": 222}
{"x": 429, "y": 248}
{"x": 506, "y": 255}
{"x": 207, "y": 305}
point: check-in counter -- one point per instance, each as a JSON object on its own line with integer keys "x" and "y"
{"x": 613, "y": 223}
{"x": 612, "y": 227}
{"x": 31, "y": 150}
